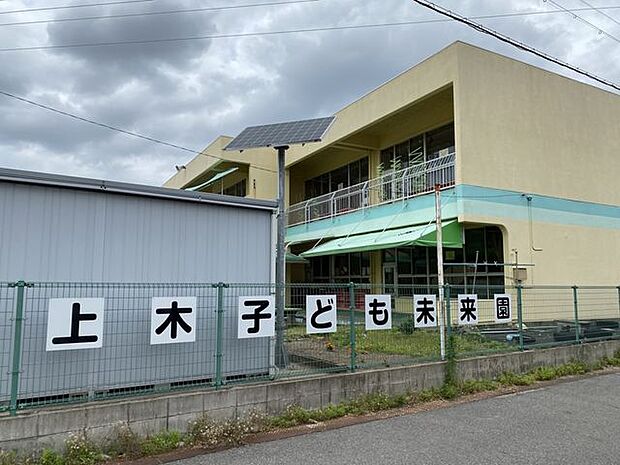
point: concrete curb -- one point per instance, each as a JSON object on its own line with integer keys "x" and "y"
{"x": 50, "y": 427}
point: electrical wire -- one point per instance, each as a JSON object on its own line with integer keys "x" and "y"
{"x": 515, "y": 43}
{"x": 599, "y": 10}
{"x": 67, "y": 7}
{"x": 156, "y": 13}
{"x": 216, "y": 36}
{"x": 257, "y": 34}
{"x": 584, "y": 21}
{"x": 273, "y": 33}
{"x": 198, "y": 10}
{"x": 117, "y": 129}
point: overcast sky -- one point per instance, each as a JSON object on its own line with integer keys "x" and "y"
{"x": 190, "y": 92}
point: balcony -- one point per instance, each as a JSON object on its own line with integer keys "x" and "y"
{"x": 389, "y": 187}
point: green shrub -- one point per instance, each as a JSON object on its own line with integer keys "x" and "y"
{"x": 615, "y": 361}
{"x": 8, "y": 458}
{"x": 51, "y": 457}
{"x": 406, "y": 326}
{"x": 162, "y": 442}
{"x": 449, "y": 391}
{"x": 377, "y": 402}
{"x": 482, "y": 385}
{"x": 545, "y": 373}
{"x": 573, "y": 368}
{"x": 428, "y": 395}
{"x": 512, "y": 379}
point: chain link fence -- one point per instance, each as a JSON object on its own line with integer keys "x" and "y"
{"x": 129, "y": 363}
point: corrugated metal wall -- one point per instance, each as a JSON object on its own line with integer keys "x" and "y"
{"x": 59, "y": 234}
{"x": 67, "y": 234}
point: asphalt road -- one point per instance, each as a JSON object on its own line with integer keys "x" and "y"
{"x": 576, "y": 422}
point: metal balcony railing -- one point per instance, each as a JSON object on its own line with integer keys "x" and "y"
{"x": 389, "y": 187}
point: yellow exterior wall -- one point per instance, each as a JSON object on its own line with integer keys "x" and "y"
{"x": 262, "y": 184}
{"x": 259, "y": 164}
{"x": 434, "y": 73}
{"x": 571, "y": 254}
{"x": 517, "y": 128}
{"x": 430, "y": 113}
{"x": 523, "y": 128}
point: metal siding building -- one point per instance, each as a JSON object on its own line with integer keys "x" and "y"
{"x": 116, "y": 241}
{"x": 56, "y": 228}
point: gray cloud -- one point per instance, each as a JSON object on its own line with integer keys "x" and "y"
{"x": 189, "y": 93}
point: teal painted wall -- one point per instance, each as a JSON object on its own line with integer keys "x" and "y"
{"x": 461, "y": 201}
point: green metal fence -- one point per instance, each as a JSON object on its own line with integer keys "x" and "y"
{"x": 128, "y": 364}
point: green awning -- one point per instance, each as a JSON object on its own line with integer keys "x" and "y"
{"x": 424, "y": 235}
{"x": 214, "y": 179}
{"x": 292, "y": 258}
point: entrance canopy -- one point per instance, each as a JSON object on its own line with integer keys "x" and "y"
{"x": 424, "y": 235}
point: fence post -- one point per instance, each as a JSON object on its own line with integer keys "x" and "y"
{"x": 17, "y": 345}
{"x": 352, "y": 334}
{"x": 450, "y": 345}
{"x": 219, "y": 332}
{"x": 619, "y": 300}
{"x": 520, "y": 315}
{"x": 576, "y": 308}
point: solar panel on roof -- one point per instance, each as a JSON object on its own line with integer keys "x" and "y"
{"x": 276, "y": 135}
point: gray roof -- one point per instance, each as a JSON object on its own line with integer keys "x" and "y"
{"x": 113, "y": 187}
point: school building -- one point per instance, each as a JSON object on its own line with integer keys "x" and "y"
{"x": 528, "y": 162}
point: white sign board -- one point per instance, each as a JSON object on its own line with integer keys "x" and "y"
{"x": 467, "y": 309}
{"x": 257, "y": 317}
{"x": 320, "y": 314}
{"x": 74, "y": 324}
{"x": 503, "y": 308}
{"x": 425, "y": 311}
{"x": 173, "y": 320}
{"x": 378, "y": 311}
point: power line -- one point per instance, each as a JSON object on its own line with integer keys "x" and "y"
{"x": 254, "y": 34}
{"x": 599, "y": 10}
{"x": 114, "y": 128}
{"x": 584, "y": 21}
{"x": 156, "y": 13}
{"x": 197, "y": 10}
{"x": 216, "y": 36}
{"x": 515, "y": 43}
{"x": 68, "y": 7}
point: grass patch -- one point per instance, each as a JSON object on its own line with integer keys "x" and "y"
{"x": 296, "y": 415}
{"x": 415, "y": 344}
{"x": 160, "y": 443}
{"x": 125, "y": 444}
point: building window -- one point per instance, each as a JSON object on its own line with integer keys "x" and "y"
{"x": 418, "y": 149}
{"x": 345, "y": 176}
{"x": 440, "y": 142}
{"x": 342, "y": 268}
{"x": 238, "y": 189}
{"x": 418, "y": 265}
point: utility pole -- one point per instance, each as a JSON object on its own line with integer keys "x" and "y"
{"x": 440, "y": 282}
{"x": 280, "y": 355}
{"x": 279, "y": 136}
